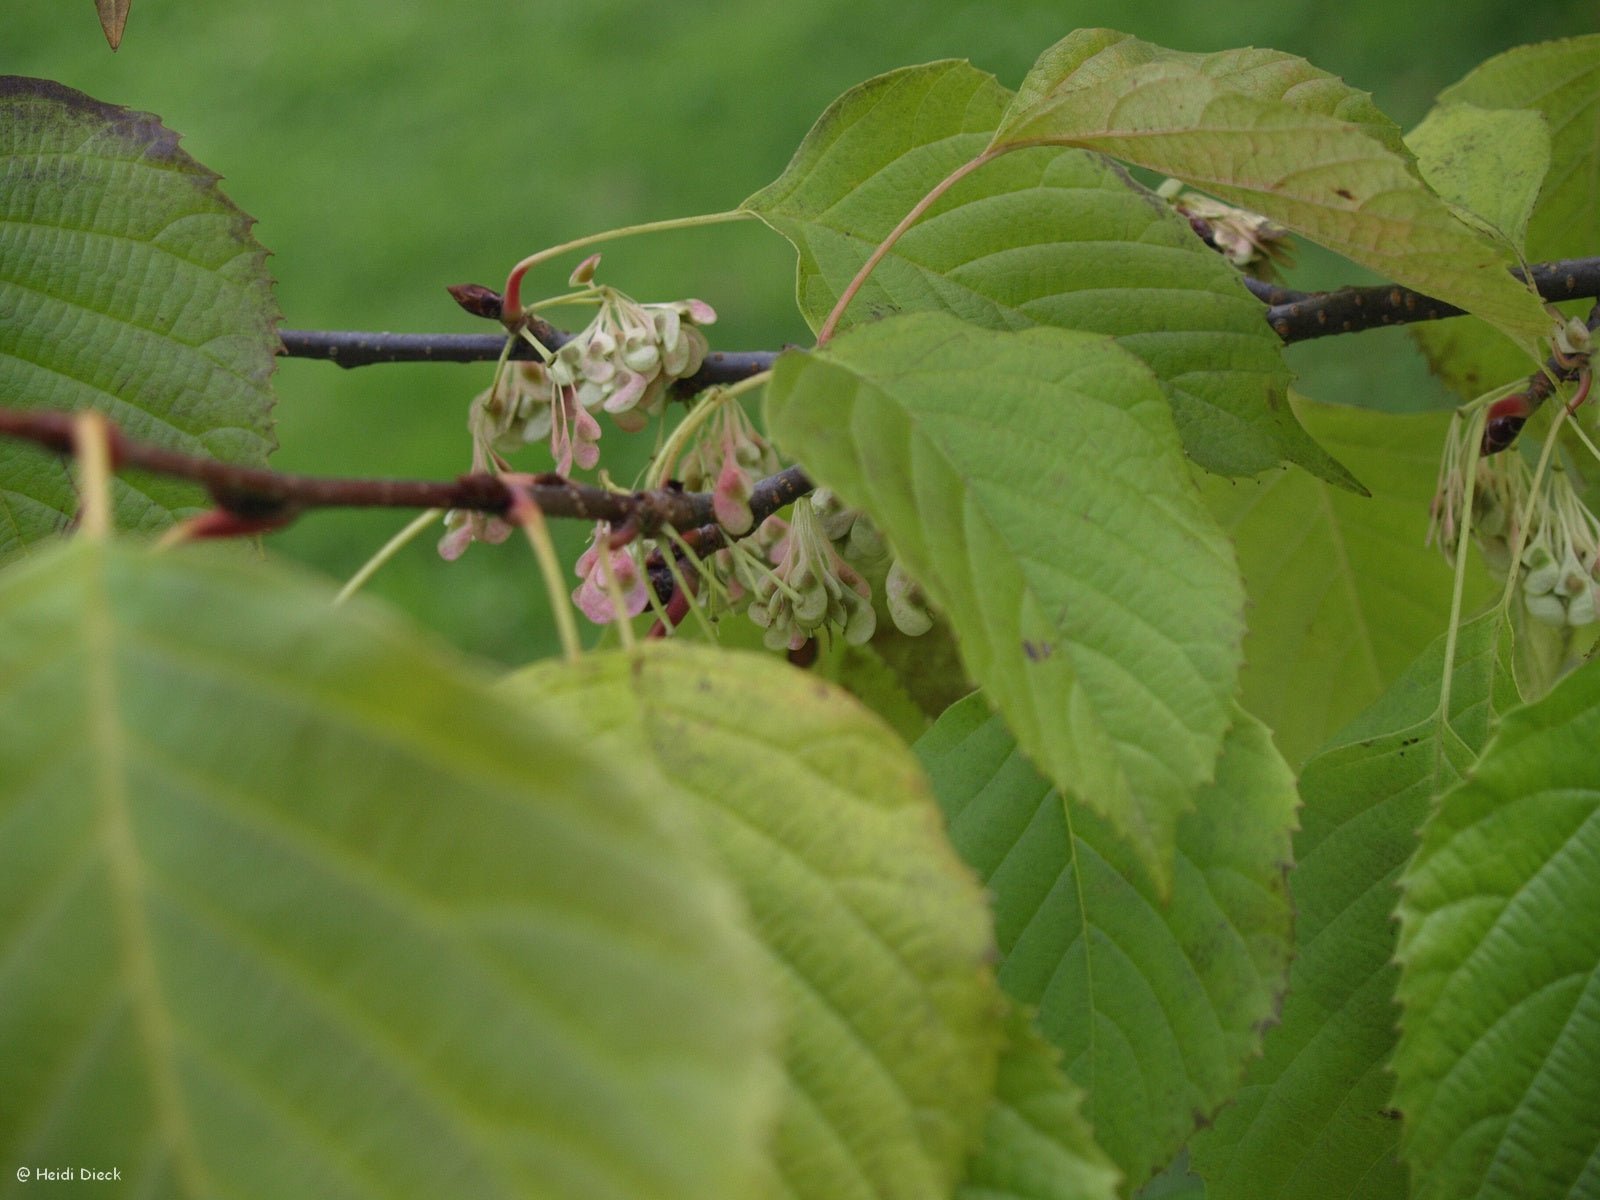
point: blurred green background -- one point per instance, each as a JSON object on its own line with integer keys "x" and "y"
{"x": 391, "y": 147}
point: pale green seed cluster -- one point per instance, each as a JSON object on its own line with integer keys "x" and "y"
{"x": 857, "y": 539}
{"x": 1557, "y": 550}
{"x": 1557, "y": 592}
{"x": 811, "y": 588}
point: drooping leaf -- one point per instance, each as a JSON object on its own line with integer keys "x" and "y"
{"x": 291, "y": 904}
{"x": 1036, "y": 1143}
{"x": 1099, "y": 56}
{"x": 1560, "y": 80}
{"x": 1498, "y": 1064}
{"x": 113, "y": 18}
{"x": 132, "y": 285}
{"x": 1156, "y": 1004}
{"x": 1254, "y": 134}
{"x": 1090, "y": 593}
{"x": 877, "y": 937}
{"x": 1343, "y": 593}
{"x": 1315, "y": 1120}
{"x": 1043, "y": 237}
{"x": 1487, "y": 164}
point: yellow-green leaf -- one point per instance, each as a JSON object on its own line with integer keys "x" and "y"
{"x": 1037, "y": 1145}
{"x": 1250, "y": 138}
{"x": 1099, "y": 55}
{"x": 877, "y": 937}
{"x": 1487, "y": 164}
{"x": 292, "y": 904}
{"x": 1561, "y": 81}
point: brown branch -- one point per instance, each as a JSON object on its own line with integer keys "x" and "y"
{"x": 261, "y": 495}
{"x": 1294, "y": 316}
{"x": 354, "y": 348}
{"x": 1352, "y": 309}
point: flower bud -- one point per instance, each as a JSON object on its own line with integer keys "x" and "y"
{"x": 730, "y": 500}
{"x": 583, "y": 273}
{"x": 593, "y": 595}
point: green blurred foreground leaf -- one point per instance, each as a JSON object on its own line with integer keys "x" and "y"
{"x": 1314, "y": 1120}
{"x": 1498, "y": 1066}
{"x": 1036, "y": 1143}
{"x": 877, "y": 936}
{"x": 132, "y": 285}
{"x": 1091, "y": 594}
{"x": 1269, "y": 132}
{"x": 1043, "y": 237}
{"x": 292, "y": 905}
{"x": 1156, "y": 1004}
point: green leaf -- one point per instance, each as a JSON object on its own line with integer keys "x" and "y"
{"x": 1560, "y": 80}
{"x": 877, "y": 937}
{"x": 132, "y": 285}
{"x": 1090, "y": 593}
{"x": 1036, "y": 1143}
{"x": 1254, "y": 134}
{"x": 1487, "y": 165}
{"x": 1174, "y": 1183}
{"x": 1343, "y": 593}
{"x": 928, "y": 665}
{"x": 1156, "y": 1004}
{"x": 861, "y": 672}
{"x": 1314, "y": 1120}
{"x": 292, "y": 904}
{"x": 1500, "y": 965}
{"x": 1044, "y": 237}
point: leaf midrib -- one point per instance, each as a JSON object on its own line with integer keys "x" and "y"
{"x": 125, "y": 874}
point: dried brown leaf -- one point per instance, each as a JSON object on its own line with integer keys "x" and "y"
{"x": 113, "y": 18}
